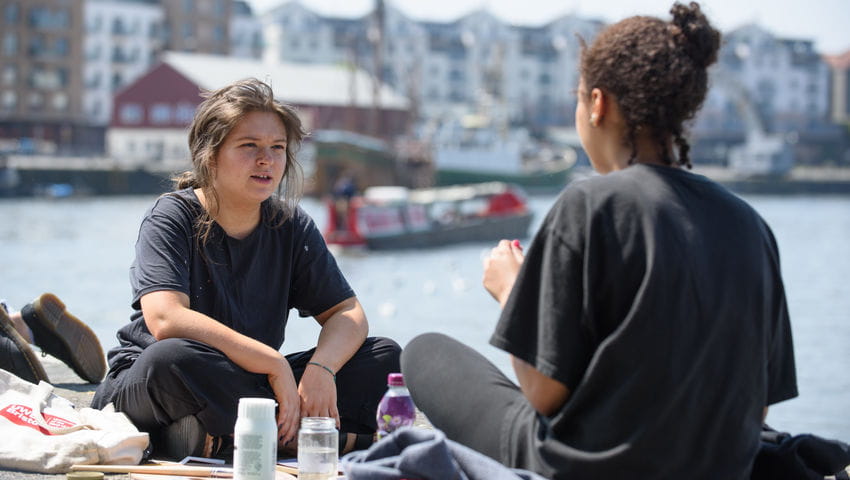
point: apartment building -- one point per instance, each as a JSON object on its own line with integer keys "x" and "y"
{"x": 122, "y": 41}
{"x": 63, "y": 61}
{"x": 246, "y": 32}
{"x": 40, "y": 83}
{"x": 476, "y": 61}
{"x": 767, "y": 84}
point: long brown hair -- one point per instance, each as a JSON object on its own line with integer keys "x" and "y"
{"x": 214, "y": 118}
{"x": 657, "y": 71}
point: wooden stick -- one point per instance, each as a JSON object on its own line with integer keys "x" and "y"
{"x": 187, "y": 470}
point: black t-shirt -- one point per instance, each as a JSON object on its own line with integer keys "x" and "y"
{"x": 655, "y": 296}
{"x": 249, "y": 285}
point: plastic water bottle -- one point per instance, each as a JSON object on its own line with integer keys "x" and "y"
{"x": 396, "y": 409}
{"x": 255, "y": 439}
{"x": 318, "y": 444}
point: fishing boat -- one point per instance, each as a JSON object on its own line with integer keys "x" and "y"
{"x": 398, "y": 217}
{"x": 475, "y": 148}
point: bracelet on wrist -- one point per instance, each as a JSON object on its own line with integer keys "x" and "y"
{"x": 326, "y": 369}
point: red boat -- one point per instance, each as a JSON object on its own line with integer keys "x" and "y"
{"x": 397, "y": 217}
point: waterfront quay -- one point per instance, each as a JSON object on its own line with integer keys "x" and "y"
{"x": 40, "y": 175}
{"x": 799, "y": 180}
{"x": 37, "y": 175}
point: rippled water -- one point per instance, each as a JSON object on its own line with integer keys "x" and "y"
{"x": 81, "y": 249}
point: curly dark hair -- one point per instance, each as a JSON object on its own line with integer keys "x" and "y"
{"x": 657, "y": 71}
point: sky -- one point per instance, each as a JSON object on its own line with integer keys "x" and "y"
{"x": 826, "y": 22}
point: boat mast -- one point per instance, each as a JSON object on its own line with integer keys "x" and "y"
{"x": 376, "y": 36}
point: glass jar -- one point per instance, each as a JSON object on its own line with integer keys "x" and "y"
{"x": 318, "y": 444}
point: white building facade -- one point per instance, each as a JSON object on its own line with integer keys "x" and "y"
{"x": 122, "y": 40}
{"x": 246, "y": 32}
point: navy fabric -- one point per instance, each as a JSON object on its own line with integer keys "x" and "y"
{"x": 427, "y": 455}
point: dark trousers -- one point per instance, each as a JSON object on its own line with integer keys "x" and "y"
{"x": 469, "y": 399}
{"x": 176, "y": 377}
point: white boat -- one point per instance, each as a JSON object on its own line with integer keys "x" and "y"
{"x": 473, "y": 149}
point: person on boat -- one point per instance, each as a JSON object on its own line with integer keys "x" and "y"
{"x": 219, "y": 263}
{"x": 646, "y": 321}
{"x": 344, "y": 189}
{"x": 46, "y": 323}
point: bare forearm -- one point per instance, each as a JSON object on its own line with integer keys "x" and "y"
{"x": 342, "y": 335}
{"x": 166, "y": 319}
{"x": 545, "y": 394}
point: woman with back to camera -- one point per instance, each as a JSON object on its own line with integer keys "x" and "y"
{"x": 647, "y": 322}
{"x": 219, "y": 264}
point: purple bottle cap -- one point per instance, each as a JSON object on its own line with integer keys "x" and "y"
{"x": 395, "y": 380}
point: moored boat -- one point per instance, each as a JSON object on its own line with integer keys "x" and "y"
{"x": 476, "y": 149}
{"x": 397, "y": 217}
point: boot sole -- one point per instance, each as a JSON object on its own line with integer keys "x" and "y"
{"x": 82, "y": 349}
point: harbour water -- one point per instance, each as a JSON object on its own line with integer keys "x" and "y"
{"x": 81, "y": 249}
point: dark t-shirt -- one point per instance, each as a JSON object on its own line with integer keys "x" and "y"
{"x": 655, "y": 296}
{"x": 249, "y": 284}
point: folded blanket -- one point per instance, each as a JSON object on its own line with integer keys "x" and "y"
{"x": 424, "y": 454}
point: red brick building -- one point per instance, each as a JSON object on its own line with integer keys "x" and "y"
{"x": 150, "y": 116}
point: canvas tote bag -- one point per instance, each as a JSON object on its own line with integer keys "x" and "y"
{"x": 43, "y": 432}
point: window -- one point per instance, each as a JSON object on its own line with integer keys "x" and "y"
{"x": 94, "y": 81}
{"x": 184, "y": 112}
{"x": 218, "y": 34}
{"x": 43, "y": 17}
{"x": 93, "y": 52}
{"x": 10, "y": 74}
{"x": 160, "y": 114}
{"x": 219, "y": 8}
{"x": 95, "y": 109}
{"x": 45, "y": 79}
{"x": 10, "y": 44}
{"x": 62, "y": 18}
{"x": 95, "y": 24}
{"x": 37, "y": 47}
{"x": 9, "y": 100}
{"x": 11, "y": 13}
{"x": 130, "y": 113}
{"x": 60, "y": 101}
{"x": 118, "y": 27}
{"x": 63, "y": 78}
{"x": 188, "y": 31}
{"x": 117, "y": 54}
{"x": 36, "y": 101}
{"x": 60, "y": 48}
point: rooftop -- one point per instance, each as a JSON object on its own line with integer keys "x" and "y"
{"x": 300, "y": 83}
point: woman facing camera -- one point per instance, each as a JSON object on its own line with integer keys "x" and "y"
{"x": 646, "y": 322}
{"x": 219, "y": 264}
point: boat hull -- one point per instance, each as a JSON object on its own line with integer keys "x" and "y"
{"x": 553, "y": 179}
{"x": 490, "y": 229}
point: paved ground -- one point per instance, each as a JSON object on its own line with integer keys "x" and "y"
{"x": 71, "y": 387}
{"x": 68, "y": 385}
